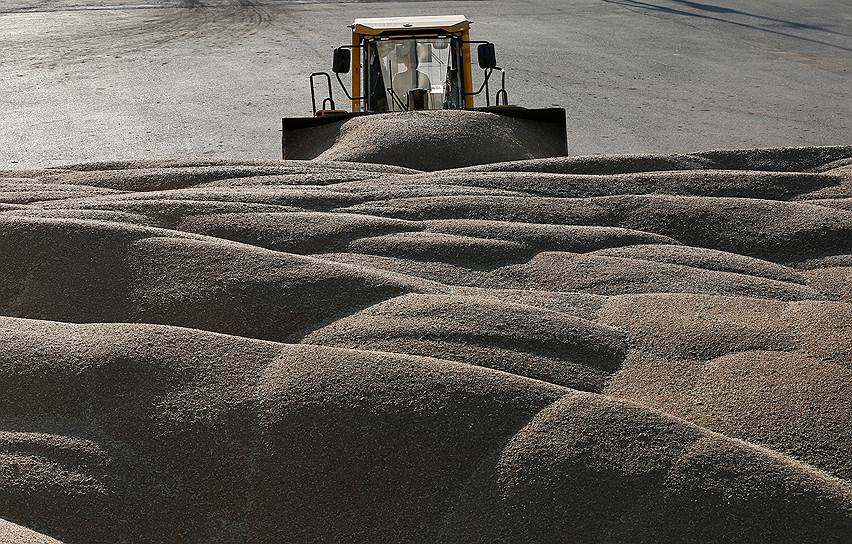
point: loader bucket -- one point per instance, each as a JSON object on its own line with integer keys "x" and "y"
{"x": 429, "y": 140}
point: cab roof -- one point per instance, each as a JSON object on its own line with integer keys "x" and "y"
{"x": 379, "y": 25}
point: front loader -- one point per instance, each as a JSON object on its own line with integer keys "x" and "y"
{"x": 401, "y": 64}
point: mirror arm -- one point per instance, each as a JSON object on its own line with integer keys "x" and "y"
{"x": 483, "y": 86}
{"x": 345, "y": 90}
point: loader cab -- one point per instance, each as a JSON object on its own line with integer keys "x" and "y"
{"x": 409, "y": 63}
{"x": 412, "y": 74}
{"x": 412, "y": 63}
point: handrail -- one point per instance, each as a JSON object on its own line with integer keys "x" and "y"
{"x": 330, "y": 98}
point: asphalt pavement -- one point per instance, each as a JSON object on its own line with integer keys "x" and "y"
{"x": 84, "y": 80}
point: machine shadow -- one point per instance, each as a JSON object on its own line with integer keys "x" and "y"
{"x": 731, "y": 11}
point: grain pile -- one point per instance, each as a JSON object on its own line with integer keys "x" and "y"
{"x": 589, "y": 349}
{"x": 432, "y": 140}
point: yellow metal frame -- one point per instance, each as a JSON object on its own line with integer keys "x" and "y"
{"x": 360, "y": 32}
{"x": 356, "y": 71}
{"x": 468, "y": 72}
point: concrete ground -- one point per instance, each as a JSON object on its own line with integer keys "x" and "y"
{"x": 110, "y": 79}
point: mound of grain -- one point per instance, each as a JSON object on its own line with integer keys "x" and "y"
{"x": 544, "y": 345}
{"x": 773, "y": 373}
{"x": 452, "y": 463}
{"x": 774, "y": 230}
{"x": 834, "y": 282}
{"x": 11, "y": 533}
{"x": 293, "y": 232}
{"x": 111, "y": 272}
{"x": 602, "y": 275}
{"x": 65, "y": 478}
{"x": 291, "y": 166}
{"x": 707, "y": 259}
{"x": 436, "y": 140}
{"x": 779, "y": 159}
{"x": 787, "y": 401}
{"x": 730, "y": 183}
{"x": 602, "y": 470}
{"x": 442, "y": 324}
{"x": 547, "y": 237}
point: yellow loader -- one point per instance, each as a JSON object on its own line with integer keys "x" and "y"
{"x": 402, "y": 64}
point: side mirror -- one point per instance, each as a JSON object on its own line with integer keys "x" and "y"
{"x": 342, "y": 61}
{"x": 487, "y": 55}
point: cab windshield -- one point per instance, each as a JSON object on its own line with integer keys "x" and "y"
{"x": 396, "y": 67}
